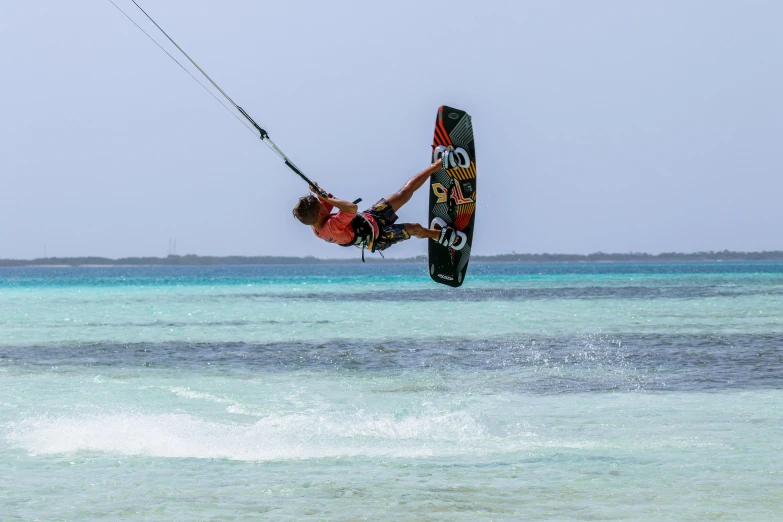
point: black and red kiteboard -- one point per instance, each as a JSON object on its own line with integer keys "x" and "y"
{"x": 453, "y": 195}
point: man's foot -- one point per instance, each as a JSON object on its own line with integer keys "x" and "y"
{"x": 447, "y": 160}
{"x": 449, "y": 236}
{"x": 460, "y": 241}
{"x": 452, "y": 159}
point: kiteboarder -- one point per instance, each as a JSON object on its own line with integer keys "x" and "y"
{"x": 375, "y": 228}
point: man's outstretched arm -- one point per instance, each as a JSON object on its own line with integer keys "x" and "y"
{"x": 341, "y": 204}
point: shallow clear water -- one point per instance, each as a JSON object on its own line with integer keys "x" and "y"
{"x": 561, "y": 391}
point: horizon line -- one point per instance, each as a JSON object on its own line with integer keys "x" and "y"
{"x": 188, "y": 259}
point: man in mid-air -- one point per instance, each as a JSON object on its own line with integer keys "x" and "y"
{"x": 375, "y": 227}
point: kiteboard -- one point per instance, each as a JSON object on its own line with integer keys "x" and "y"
{"x": 453, "y": 195}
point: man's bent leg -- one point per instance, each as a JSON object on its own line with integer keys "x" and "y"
{"x": 452, "y": 238}
{"x": 402, "y": 196}
{"x": 417, "y": 230}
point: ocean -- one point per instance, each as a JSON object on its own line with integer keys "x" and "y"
{"x": 611, "y": 391}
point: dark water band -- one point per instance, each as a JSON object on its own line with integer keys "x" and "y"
{"x": 530, "y": 364}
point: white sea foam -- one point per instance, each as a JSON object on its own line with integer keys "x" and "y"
{"x": 241, "y": 409}
{"x": 302, "y": 436}
{"x": 282, "y": 437}
{"x": 187, "y": 393}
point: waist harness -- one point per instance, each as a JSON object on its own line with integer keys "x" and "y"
{"x": 364, "y": 234}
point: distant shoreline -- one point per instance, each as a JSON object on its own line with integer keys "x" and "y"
{"x": 195, "y": 260}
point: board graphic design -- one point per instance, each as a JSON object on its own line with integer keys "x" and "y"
{"x": 453, "y": 195}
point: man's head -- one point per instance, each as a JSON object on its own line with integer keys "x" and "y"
{"x": 307, "y": 210}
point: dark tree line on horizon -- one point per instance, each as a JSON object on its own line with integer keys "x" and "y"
{"x": 195, "y": 260}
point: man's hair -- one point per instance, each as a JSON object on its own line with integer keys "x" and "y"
{"x": 307, "y": 209}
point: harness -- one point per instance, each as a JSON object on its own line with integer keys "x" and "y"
{"x": 364, "y": 234}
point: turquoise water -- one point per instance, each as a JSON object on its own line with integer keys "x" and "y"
{"x": 347, "y": 392}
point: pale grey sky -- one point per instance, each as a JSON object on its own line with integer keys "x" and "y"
{"x": 606, "y": 125}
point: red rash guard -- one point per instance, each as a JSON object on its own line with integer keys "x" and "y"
{"x": 337, "y": 228}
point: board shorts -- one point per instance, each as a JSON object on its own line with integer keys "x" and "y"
{"x": 388, "y": 232}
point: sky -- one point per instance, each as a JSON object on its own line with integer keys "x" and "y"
{"x": 608, "y": 126}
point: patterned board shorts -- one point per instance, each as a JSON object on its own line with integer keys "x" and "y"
{"x": 389, "y": 233}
